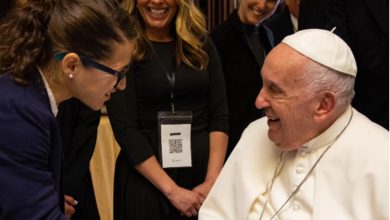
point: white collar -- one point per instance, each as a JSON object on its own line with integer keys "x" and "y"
{"x": 329, "y": 135}
{"x": 294, "y": 22}
{"x": 53, "y": 104}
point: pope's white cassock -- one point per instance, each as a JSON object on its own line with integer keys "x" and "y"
{"x": 350, "y": 182}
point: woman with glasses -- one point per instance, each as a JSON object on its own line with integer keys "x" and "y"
{"x": 171, "y": 121}
{"x": 51, "y": 51}
{"x": 78, "y": 127}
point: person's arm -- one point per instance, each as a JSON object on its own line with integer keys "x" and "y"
{"x": 70, "y": 202}
{"x": 122, "y": 112}
{"x": 27, "y": 175}
{"x": 186, "y": 201}
{"x": 218, "y": 143}
{"x": 78, "y": 126}
{"x": 218, "y": 121}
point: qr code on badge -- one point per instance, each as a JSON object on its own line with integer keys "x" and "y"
{"x": 175, "y": 146}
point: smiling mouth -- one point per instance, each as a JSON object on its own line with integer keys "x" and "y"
{"x": 157, "y": 12}
{"x": 258, "y": 12}
{"x": 273, "y": 119}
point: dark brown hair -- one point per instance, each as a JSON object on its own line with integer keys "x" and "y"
{"x": 41, "y": 28}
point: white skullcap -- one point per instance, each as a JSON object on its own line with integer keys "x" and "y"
{"x": 324, "y": 47}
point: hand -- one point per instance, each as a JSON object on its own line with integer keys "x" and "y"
{"x": 186, "y": 201}
{"x": 204, "y": 189}
{"x": 70, "y": 202}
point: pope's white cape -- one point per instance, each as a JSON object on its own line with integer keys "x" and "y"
{"x": 352, "y": 179}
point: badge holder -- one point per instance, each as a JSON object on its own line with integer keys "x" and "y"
{"x": 175, "y": 138}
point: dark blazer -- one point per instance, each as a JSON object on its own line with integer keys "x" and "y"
{"x": 312, "y": 14}
{"x": 78, "y": 124}
{"x": 280, "y": 24}
{"x": 364, "y": 25}
{"x": 30, "y": 153}
{"x": 242, "y": 73}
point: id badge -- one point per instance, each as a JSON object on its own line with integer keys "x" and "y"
{"x": 175, "y": 138}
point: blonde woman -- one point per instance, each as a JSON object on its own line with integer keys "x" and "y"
{"x": 161, "y": 173}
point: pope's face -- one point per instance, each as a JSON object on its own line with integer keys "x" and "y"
{"x": 255, "y": 11}
{"x": 285, "y": 100}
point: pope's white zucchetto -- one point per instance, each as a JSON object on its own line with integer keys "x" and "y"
{"x": 324, "y": 47}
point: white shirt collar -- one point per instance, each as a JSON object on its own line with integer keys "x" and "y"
{"x": 53, "y": 104}
{"x": 294, "y": 22}
{"x": 329, "y": 135}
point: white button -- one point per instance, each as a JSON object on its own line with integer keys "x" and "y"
{"x": 296, "y": 207}
{"x": 299, "y": 170}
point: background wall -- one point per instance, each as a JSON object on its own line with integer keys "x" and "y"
{"x": 216, "y": 10}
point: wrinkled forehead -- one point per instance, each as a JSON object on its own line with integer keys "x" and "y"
{"x": 285, "y": 67}
{"x": 284, "y": 57}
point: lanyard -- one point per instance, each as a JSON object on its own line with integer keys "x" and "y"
{"x": 171, "y": 80}
{"x": 171, "y": 77}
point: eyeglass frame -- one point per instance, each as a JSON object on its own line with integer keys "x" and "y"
{"x": 94, "y": 64}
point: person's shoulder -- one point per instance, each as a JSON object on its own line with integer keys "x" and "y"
{"x": 5, "y": 81}
{"x": 257, "y": 125}
{"x": 364, "y": 147}
{"x": 18, "y": 97}
{"x": 255, "y": 135}
{"x": 10, "y": 90}
{"x": 209, "y": 45}
{"x": 23, "y": 100}
{"x": 220, "y": 32}
{"x": 364, "y": 141}
{"x": 226, "y": 26}
{"x": 370, "y": 130}
{"x": 222, "y": 28}
{"x": 14, "y": 90}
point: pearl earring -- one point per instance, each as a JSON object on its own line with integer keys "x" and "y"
{"x": 70, "y": 76}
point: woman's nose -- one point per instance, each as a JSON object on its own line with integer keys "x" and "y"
{"x": 121, "y": 84}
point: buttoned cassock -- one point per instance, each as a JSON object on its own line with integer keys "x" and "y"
{"x": 350, "y": 181}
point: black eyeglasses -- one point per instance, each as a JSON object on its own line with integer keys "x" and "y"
{"x": 91, "y": 63}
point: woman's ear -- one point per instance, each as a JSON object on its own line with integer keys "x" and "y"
{"x": 69, "y": 64}
{"x": 326, "y": 105}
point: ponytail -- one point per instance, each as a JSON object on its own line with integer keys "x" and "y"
{"x": 23, "y": 39}
{"x": 39, "y": 29}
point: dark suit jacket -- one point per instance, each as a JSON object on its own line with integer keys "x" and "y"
{"x": 312, "y": 14}
{"x": 364, "y": 25}
{"x": 281, "y": 24}
{"x": 30, "y": 153}
{"x": 78, "y": 124}
{"x": 242, "y": 73}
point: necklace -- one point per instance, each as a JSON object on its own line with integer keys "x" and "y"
{"x": 279, "y": 168}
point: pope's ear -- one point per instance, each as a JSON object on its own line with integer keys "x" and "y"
{"x": 326, "y": 104}
{"x": 69, "y": 63}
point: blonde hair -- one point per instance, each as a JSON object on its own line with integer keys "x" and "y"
{"x": 190, "y": 31}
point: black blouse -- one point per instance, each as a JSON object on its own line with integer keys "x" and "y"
{"x": 133, "y": 112}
